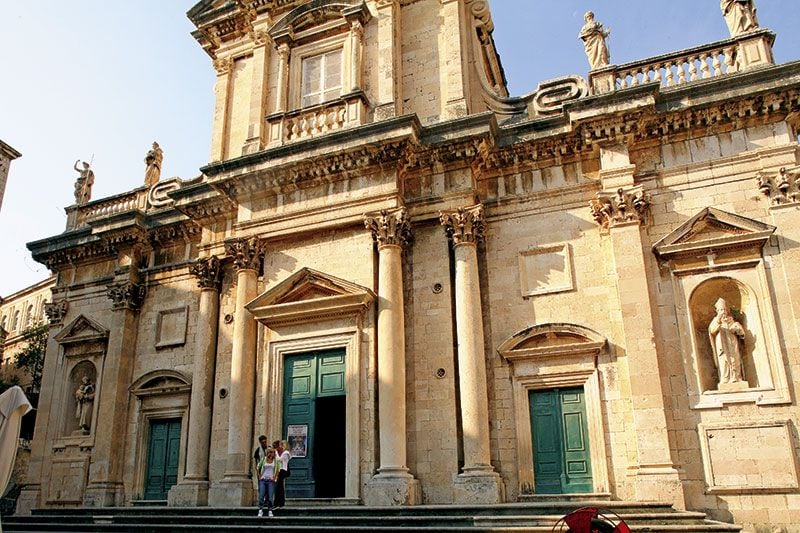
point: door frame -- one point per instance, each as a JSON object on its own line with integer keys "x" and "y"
{"x": 552, "y": 356}
{"x": 148, "y": 443}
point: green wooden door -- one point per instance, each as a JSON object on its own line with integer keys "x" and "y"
{"x": 312, "y": 382}
{"x": 162, "y": 458}
{"x": 561, "y": 457}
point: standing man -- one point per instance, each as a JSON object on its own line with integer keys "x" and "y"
{"x": 261, "y": 453}
{"x": 284, "y": 455}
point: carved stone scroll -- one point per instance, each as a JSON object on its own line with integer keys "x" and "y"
{"x": 612, "y": 209}
{"x": 56, "y": 311}
{"x": 247, "y": 253}
{"x": 465, "y": 225}
{"x": 208, "y": 272}
{"x": 389, "y": 227}
{"x": 781, "y": 188}
{"x": 126, "y": 295}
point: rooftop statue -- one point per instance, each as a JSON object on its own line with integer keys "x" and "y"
{"x": 83, "y": 185}
{"x": 153, "y": 161}
{"x": 594, "y": 36}
{"x": 740, "y": 15}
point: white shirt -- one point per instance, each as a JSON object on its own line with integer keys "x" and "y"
{"x": 285, "y": 456}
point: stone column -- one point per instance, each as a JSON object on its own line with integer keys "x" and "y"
{"x": 219, "y": 134}
{"x": 282, "y": 98}
{"x": 478, "y": 482}
{"x": 389, "y": 63}
{"x": 393, "y": 484}
{"x": 105, "y": 487}
{"x": 256, "y": 137}
{"x": 192, "y": 490}
{"x": 621, "y": 209}
{"x": 236, "y": 487}
{"x": 356, "y": 53}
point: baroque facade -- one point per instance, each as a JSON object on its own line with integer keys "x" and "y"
{"x": 436, "y": 292}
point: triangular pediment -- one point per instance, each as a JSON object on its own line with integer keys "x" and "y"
{"x": 549, "y": 340}
{"x": 309, "y": 294}
{"x": 82, "y": 329}
{"x": 713, "y": 228}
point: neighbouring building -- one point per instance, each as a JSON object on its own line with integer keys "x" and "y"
{"x": 7, "y": 155}
{"x": 438, "y": 293}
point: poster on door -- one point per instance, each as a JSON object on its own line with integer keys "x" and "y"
{"x": 297, "y": 436}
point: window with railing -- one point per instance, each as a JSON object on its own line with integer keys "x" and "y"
{"x": 321, "y": 78}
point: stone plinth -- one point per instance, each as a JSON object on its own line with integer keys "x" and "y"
{"x": 392, "y": 490}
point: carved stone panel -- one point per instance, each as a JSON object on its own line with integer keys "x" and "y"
{"x": 68, "y": 479}
{"x": 171, "y": 327}
{"x": 546, "y": 270}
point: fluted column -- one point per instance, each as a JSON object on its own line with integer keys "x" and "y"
{"x": 478, "y": 482}
{"x": 393, "y": 484}
{"x": 193, "y": 488}
{"x": 236, "y": 488}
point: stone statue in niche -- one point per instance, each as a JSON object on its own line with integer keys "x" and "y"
{"x": 84, "y": 398}
{"x": 726, "y": 335}
{"x": 594, "y": 36}
{"x": 740, "y": 15}
{"x": 83, "y": 185}
{"x": 153, "y": 160}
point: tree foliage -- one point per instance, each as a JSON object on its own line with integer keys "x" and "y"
{"x": 31, "y": 357}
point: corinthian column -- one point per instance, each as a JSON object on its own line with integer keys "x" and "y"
{"x": 193, "y": 488}
{"x": 236, "y": 488}
{"x": 393, "y": 484}
{"x": 478, "y": 482}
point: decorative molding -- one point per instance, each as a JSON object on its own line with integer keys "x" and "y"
{"x": 466, "y": 225}
{"x": 126, "y": 295}
{"x": 81, "y": 329}
{"x": 247, "y": 253}
{"x": 223, "y": 65}
{"x": 781, "y": 188}
{"x": 622, "y": 207}
{"x": 546, "y": 270}
{"x": 389, "y": 227}
{"x": 208, "y": 271}
{"x": 171, "y": 326}
{"x": 56, "y": 311}
{"x": 260, "y": 38}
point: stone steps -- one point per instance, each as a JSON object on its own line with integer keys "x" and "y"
{"x": 533, "y": 517}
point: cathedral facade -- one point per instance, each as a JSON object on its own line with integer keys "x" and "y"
{"x": 435, "y": 292}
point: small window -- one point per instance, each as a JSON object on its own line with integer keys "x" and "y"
{"x": 29, "y": 316}
{"x": 15, "y": 321}
{"x": 3, "y": 322}
{"x": 321, "y": 78}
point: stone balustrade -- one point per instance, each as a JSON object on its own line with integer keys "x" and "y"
{"x": 78, "y": 216}
{"x": 704, "y": 62}
{"x": 345, "y": 112}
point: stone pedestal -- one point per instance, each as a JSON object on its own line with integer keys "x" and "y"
{"x": 755, "y": 50}
{"x": 188, "y": 493}
{"x": 483, "y": 487}
{"x": 392, "y": 490}
{"x": 232, "y": 492}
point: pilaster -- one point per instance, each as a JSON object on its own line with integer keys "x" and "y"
{"x": 389, "y": 98}
{"x": 452, "y": 62}
{"x": 236, "y": 487}
{"x": 282, "y": 98}
{"x": 477, "y": 483}
{"x": 192, "y": 490}
{"x": 393, "y": 484}
{"x": 256, "y": 133}
{"x": 222, "y": 87}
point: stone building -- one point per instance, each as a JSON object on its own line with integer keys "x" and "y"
{"x": 435, "y": 292}
{"x": 7, "y": 155}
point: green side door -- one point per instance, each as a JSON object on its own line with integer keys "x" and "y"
{"x": 162, "y": 458}
{"x": 561, "y": 455}
{"x": 313, "y": 401}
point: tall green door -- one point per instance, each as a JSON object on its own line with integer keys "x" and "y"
{"x": 561, "y": 457}
{"x": 314, "y": 406}
{"x": 162, "y": 458}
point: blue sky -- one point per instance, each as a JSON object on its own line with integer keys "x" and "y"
{"x": 101, "y": 80}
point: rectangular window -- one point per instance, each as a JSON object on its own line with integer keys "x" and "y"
{"x": 321, "y": 78}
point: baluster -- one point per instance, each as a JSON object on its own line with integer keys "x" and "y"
{"x": 717, "y": 65}
{"x": 681, "y": 73}
{"x": 730, "y": 61}
{"x": 704, "y": 66}
{"x": 657, "y": 73}
{"x": 693, "y": 69}
{"x": 623, "y": 80}
{"x": 670, "y": 74}
{"x": 634, "y": 77}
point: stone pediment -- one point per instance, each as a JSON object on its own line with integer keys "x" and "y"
{"x": 160, "y": 382}
{"x": 309, "y": 295}
{"x": 319, "y": 15}
{"x": 711, "y": 231}
{"x": 82, "y": 329}
{"x": 551, "y": 340}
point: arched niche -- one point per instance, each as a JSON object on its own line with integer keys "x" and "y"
{"x": 550, "y": 356}
{"x": 82, "y": 404}
{"x": 715, "y": 255}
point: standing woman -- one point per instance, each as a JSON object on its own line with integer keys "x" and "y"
{"x": 267, "y": 479}
{"x": 283, "y": 473}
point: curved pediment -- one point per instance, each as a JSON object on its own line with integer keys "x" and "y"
{"x": 160, "y": 382}
{"x": 318, "y": 16}
{"x": 309, "y": 295}
{"x": 551, "y": 340}
{"x": 82, "y": 329}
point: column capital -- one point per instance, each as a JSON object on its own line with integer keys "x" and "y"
{"x": 781, "y": 188}
{"x": 247, "y": 253}
{"x": 625, "y": 206}
{"x": 56, "y": 311}
{"x": 126, "y": 295}
{"x": 208, "y": 272}
{"x": 465, "y": 225}
{"x": 223, "y": 65}
{"x": 389, "y": 226}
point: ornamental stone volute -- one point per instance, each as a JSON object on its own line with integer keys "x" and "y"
{"x": 126, "y": 295}
{"x": 389, "y": 227}
{"x": 466, "y": 225}
{"x": 247, "y": 253}
{"x": 208, "y": 272}
{"x": 622, "y": 207}
{"x": 56, "y": 311}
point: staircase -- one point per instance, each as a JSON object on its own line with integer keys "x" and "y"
{"x": 298, "y": 516}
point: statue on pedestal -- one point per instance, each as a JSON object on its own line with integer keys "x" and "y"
{"x": 153, "y": 161}
{"x": 725, "y": 334}
{"x": 83, "y": 185}
{"x": 740, "y": 15}
{"x": 84, "y": 397}
{"x": 594, "y": 36}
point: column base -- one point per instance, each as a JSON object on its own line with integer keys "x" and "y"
{"x": 29, "y": 498}
{"x": 188, "y": 493}
{"x": 232, "y": 492}
{"x": 104, "y": 494}
{"x": 480, "y": 485}
{"x": 392, "y": 490}
{"x": 659, "y": 484}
